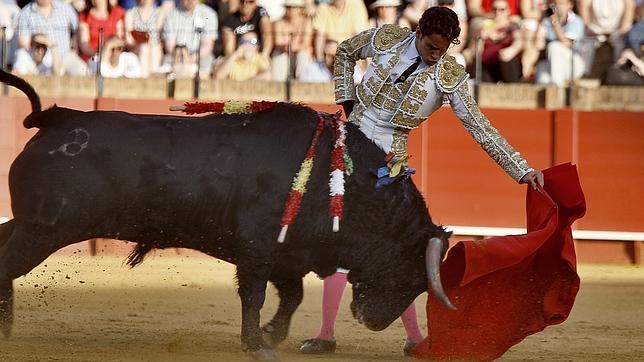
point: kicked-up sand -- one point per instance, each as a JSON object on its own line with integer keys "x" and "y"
{"x": 185, "y": 308}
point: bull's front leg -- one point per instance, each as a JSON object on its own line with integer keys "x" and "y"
{"x": 253, "y": 272}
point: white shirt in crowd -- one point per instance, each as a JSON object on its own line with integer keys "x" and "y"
{"x": 128, "y": 67}
{"x": 25, "y": 64}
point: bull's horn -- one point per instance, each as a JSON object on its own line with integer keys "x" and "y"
{"x": 433, "y": 265}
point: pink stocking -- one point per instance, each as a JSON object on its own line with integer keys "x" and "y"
{"x": 331, "y": 297}
{"x": 411, "y": 324}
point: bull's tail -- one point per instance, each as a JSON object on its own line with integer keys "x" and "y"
{"x": 21, "y": 84}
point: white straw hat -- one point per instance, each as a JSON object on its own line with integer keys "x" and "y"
{"x": 294, "y": 3}
{"x": 381, "y": 3}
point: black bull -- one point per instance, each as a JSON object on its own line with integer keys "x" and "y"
{"x": 218, "y": 184}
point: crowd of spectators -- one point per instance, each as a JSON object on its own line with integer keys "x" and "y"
{"x": 508, "y": 41}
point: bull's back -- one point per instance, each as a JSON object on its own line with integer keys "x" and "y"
{"x": 152, "y": 169}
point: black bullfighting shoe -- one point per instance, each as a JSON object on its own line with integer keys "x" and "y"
{"x": 408, "y": 347}
{"x": 317, "y": 346}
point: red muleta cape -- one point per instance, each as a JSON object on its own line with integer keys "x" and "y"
{"x": 507, "y": 288}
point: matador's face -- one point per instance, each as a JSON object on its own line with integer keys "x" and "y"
{"x": 431, "y": 47}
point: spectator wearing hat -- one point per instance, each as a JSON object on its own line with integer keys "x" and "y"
{"x": 387, "y": 12}
{"x": 295, "y": 29}
{"x": 246, "y": 62}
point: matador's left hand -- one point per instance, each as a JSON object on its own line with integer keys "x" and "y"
{"x": 532, "y": 178}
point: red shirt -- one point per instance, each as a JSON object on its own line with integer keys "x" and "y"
{"x": 109, "y": 25}
{"x": 515, "y": 6}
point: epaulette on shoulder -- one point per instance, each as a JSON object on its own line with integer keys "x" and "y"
{"x": 388, "y": 35}
{"x": 449, "y": 74}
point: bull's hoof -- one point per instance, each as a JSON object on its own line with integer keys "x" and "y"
{"x": 272, "y": 336}
{"x": 264, "y": 354}
{"x": 318, "y": 346}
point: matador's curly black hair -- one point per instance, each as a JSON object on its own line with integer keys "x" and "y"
{"x": 441, "y": 20}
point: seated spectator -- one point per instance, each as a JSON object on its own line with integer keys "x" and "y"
{"x": 338, "y": 21}
{"x": 457, "y": 50}
{"x": 556, "y": 34}
{"x": 532, "y": 13}
{"x": 502, "y": 44}
{"x": 629, "y": 68}
{"x": 481, "y": 10}
{"x": 386, "y": 12}
{"x": 193, "y": 26}
{"x": 246, "y": 62}
{"x": 42, "y": 58}
{"x": 321, "y": 72}
{"x": 99, "y": 15}
{"x": 117, "y": 63}
{"x": 56, "y": 21}
{"x": 143, "y": 25}
{"x": 249, "y": 18}
{"x": 8, "y": 20}
{"x": 294, "y": 28}
{"x": 606, "y": 22}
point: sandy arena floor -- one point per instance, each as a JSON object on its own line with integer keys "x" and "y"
{"x": 185, "y": 308}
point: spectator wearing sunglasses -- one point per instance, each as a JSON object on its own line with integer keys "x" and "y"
{"x": 246, "y": 62}
{"x": 502, "y": 45}
{"x": 118, "y": 63}
{"x": 42, "y": 58}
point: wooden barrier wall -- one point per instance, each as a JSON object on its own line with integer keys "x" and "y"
{"x": 462, "y": 185}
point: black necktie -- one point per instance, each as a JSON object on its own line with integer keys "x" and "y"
{"x": 403, "y": 77}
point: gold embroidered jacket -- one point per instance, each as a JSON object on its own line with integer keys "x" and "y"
{"x": 386, "y": 112}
